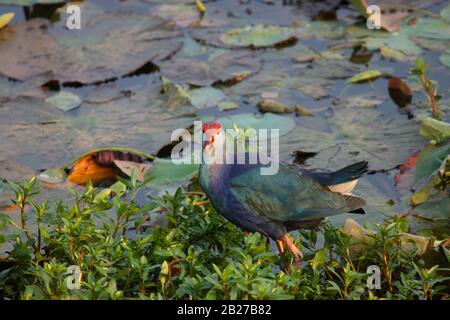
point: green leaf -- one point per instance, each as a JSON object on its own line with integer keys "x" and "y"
{"x": 429, "y": 160}
{"x": 435, "y": 131}
{"x": 257, "y": 36}
{"x": 365, "y": 76}
{"x": 206, "y": 97}
{"x": 44, "y": 232}
{"x": 445, "y": 13}
{"x": 165, "y": 171}
{"x": 251, "y": 121}
{"x": 53, "y": 175}
{"x": 445, "y": 58}
{"x": 64, "y": 100}
{"x": 320, "y": 257}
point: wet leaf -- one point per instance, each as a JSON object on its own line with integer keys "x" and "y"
{"x": 87, "y": 169}
{"x": 206, "y": 97}
{"x": 364, "y": 101}
{"x": 109, "y": 45}
{"x": 29, "y": 3}
{"x": 127, "y": 168}
{"x": 64, "y": 100}
{"x": 269, "y": 105}
{"x": 165, "y": 171}
{"x": 257, "y": 36}
{"x": 390, "y": 53}
{"x": 435, "y": 131}
{"x": 227, "y": 105}
{"x": 390, "y": 20}
{"x": 333, "y": 30}
{"x": 219, "y": 67}
{"x": 445, "y": 58}
{"x": 365, "y": 76}
{"x": 320, "y": 258}
{"x": 248, "y": 120}
{"x": 180, "y": 15}
{"x": 53, "y": 175}
{"x": 399, "y": 92}
{"x": 356, "y": 134}
{"x": 429, "y": 160}
{"x": 6, "y": 18}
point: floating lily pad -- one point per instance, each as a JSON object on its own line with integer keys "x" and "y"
{"x": 257, "y": 36}
{"x": 24, "y": 3}
{"x": 65, "y": 100}
{"x": 227, "y": 105}
{"x": 109, "y": 45}
{"x": 206, "y": 97}
{"x": 391, "y": 53}
{"x": 249, "y": 120}
{"x": 220, "y": 66}
{"x": 356, "y": 134}
{"x": 360, "y": 101}
{"x": 445, "y": 58}
{"x": 165, "y": 172}
{"x": 181, "y": 15}
{"x": 333, "y": 30}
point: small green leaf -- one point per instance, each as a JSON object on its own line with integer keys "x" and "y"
{"x": 53, "y": 175}
{"x": 320, "y": 257}
{"x": 165, "y": 171}
{"x": 365, "y": 76}
{"x": 64, "y": 100}
{"x": 434, "y": 130}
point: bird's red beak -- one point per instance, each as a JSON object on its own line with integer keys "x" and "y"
{"x": 210, "y": 129}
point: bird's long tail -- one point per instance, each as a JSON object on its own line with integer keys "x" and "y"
{"x": 345, "y": 179}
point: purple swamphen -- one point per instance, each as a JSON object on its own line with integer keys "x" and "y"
{"x": 273, "y": 205}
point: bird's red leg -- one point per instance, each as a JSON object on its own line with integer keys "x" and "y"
{"x": 280, "y": 246}
{"x": 296, "y": 251}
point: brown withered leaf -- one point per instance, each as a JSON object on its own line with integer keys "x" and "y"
{"x": 87, "y": 169}
{"x": 399, "y": 92}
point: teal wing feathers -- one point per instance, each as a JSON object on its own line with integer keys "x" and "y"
{"x": 289, "y": 196}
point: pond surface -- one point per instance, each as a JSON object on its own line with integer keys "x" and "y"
{"x": 114, "y": 64}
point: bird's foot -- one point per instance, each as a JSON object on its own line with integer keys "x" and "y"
{"x": 298, "y": 255}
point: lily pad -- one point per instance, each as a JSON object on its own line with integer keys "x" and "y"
{"x": 257, "y": 36}
{"x": 219, "y": 66}
{"x": 206, "y": 97}
{"x": 249, "y": 120}
{"x": 65, "y": 100}
{"x": 356, "y": 134}
{"x": 445, "y": 58}
{"x": 227, "y": 105}
{"x": 360, "y": 101}
{"x": 164, "y": 172}
{"x": 24, "y": 3}
{"x": 109, "y": 45}
{"x": 180, "y": 15}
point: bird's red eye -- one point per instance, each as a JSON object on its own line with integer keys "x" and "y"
{"x": 211, "y": 125}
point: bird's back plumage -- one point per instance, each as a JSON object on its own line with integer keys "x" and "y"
{"x": 272, "y": 204}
